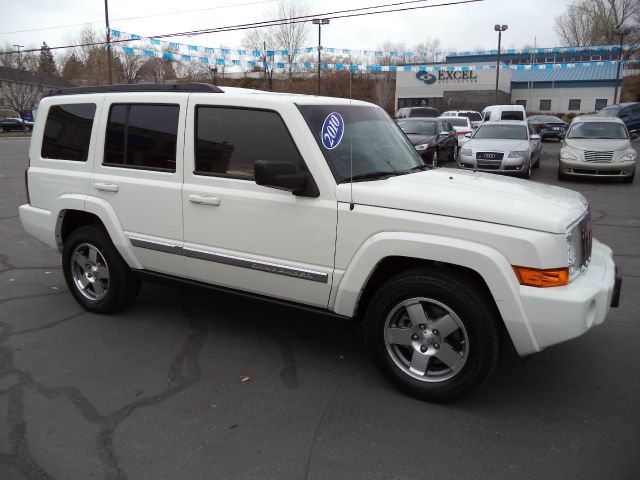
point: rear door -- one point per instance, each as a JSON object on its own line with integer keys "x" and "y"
{"x": 242, "y": 235}
{"x": 138, "y": 173}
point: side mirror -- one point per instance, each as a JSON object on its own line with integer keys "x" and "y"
{"x": 285, "y": 176}
{"x": 535, "y": 137}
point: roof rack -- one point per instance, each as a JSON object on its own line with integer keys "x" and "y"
{"x": 140, "y": 87}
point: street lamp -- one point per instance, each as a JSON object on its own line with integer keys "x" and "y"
{"x": 499, "y": 29}
{"x": 621, "y": 34}
{"x": 319, "y": 22}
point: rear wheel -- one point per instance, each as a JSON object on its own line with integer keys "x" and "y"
{"x": 97, "y": 276}
{"x": 432, "y": 334}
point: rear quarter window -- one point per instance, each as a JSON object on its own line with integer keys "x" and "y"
{"x": 512, "y": 115}
{"x": 67, "y": 132}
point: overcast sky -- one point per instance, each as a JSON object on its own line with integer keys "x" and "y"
{"x": 460, "y": 27}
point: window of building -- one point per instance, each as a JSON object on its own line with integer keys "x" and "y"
{"x": 574, "y": 104}
{"x": 230, "y": 140}
{"x": 142, "y": 136}
{"x": 522, "y": 102}
{"x": 545, "y": 105}
{"x": 595, "y": 58}
{"x": 601, "y": 103}
{"x": 67, "y": 132}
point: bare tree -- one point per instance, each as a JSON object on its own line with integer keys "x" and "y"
{"x": 596, "y": 22}
{"x": 20, "y": 97}
{"x": 290, "y": 36}
{"x": 9, "y": 57}
{"x": 427, "y": 51}
{"x": 131, "y": 67}
{"x": 261, "y": 39}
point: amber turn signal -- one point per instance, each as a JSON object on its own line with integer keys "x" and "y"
{"x": 533, "y": 277}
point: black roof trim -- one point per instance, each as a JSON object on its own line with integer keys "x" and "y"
{"x": 139, "y": 87}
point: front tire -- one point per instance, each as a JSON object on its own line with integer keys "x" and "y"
{"x": 434, "y": 158}
{"x": 97, "y": 276}
{"x": 433, "y": 334}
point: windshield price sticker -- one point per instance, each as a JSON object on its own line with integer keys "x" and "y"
{"x": 332, "y": 130}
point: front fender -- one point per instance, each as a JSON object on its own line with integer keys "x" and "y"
{"x": 490, "y": 264}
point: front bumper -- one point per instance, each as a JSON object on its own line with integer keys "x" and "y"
{"x": 507, "y": 165}
{"x": 557, "y": 314}
{"x": 597, "y": 169}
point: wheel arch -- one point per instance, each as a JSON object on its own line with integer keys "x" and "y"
{"x": 387, "y": 254}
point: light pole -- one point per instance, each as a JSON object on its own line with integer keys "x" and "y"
{"x": 499, "y": 29}
{"x": 621, "y": 34}
{"x": 19, "y": 58}
{"x": 319, "y": 22}
{"x": 106, "y": 17}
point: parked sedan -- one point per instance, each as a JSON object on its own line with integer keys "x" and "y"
{"x": 597, "y": 146}
{"x": 434, "y": 139}
{"x": 462, "y": 126}
{"x": 15, "y": 124}
{"x": 548, "y": 126}
{"x": 502, "y": 147}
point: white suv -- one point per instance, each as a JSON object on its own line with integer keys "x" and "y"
{"x": 319, "y": 202}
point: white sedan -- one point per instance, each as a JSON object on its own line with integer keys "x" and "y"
{"x": 502, "y": 147}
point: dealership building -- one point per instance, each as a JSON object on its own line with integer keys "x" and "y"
{"x": 580, "y": 89}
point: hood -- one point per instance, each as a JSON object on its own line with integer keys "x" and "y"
{"x": 597, "y": 144}
{"x": 473, "y": 195}
{"x": 499, "y": 145}
{"x": 421, "y": 139}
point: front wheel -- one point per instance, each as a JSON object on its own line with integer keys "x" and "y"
{"x": 97, "y": 276}
{"x": 433, "y": 334}
{"x": 434, "y": 158}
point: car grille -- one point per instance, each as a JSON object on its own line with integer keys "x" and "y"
{"x": 489, "y": 155}
{"x": 590, "y": 156}
{"x": 489, "y": 164}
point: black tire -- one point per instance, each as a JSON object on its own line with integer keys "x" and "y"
{"x": 435, "y": 158}
{"x": 561, "y": 176}
{"x": 537, "y": 164}
{"x": 453, "y": 156}
{"x": 120, "y": 287}
{"x": 629, "y": 179}
{"x": 480, "y": 333}
{"x": 527, "y": 173}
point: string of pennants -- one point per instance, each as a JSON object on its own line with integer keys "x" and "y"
{"x": 193, "y": 49}
{"x": 357, "y": 67}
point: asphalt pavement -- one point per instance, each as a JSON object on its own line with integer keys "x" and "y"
{"x": 190, "y": 384}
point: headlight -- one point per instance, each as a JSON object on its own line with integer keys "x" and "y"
{"x": 579, "y": 246}
{"x": 628, "y": 157}
{"x": 422, "y": 147}
{"x": 517, "y": 154}
{"x": 466, "y": 152}
{"x": 564, "y": 155}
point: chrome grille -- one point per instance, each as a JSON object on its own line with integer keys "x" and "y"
{"x": 489, "y": 164}
{"x": 590, "y": 156}
{"x": 489, "y": 155}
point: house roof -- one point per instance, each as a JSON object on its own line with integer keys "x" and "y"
{"x": 578, "y": 73}
{"x": 25, "y": 76}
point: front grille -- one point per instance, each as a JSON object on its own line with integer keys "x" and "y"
{"x": 489, "y": 155}
{"x": 590, "y": 156}
{"x": 588, "y": 171}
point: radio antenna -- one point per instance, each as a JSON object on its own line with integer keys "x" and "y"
{"x": 351, "y": 204}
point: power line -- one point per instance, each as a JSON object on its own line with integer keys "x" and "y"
{"x": 54, "y": 27}
{"x": 272, "y": 23}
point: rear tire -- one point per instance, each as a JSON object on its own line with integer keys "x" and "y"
{"x": 433, "y": 334}
{"x": 97, "y": 276}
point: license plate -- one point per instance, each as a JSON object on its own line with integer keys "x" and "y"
{"x": 556, "y": 128}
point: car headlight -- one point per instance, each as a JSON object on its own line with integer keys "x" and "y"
{"x": 518, "y": 154}
{"x": 565, "y": 155}
{"x": 466, "y": 152}
{"x": 579, "y": 246}
{"x": 628, "y": 157}
{"x": 422, "y": 147}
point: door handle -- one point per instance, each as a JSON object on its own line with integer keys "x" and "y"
{"x": 106, "y": 187}
{"x": 204, "y": 199}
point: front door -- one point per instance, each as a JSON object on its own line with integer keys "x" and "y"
{"x": 240, "y": 235}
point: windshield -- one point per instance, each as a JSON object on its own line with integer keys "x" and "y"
{"x": 609, "y": 112}
{"x": 417, "y": 127}
{"x": 473, "y": 116}
{"x": 369, "y": 140}
{"x": 601, "y": 130}
{"x": 458, "y": 121}
{"x": 502, "y": 132}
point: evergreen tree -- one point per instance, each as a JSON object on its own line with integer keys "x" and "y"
{"x": 73, "y": 69}
{"x": 46, "y": 64}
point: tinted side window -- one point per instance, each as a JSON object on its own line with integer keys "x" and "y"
{"x": 230, "y": 140}
{"x": 68, "y": 131}
{"x": 487, "y": 116}
{"x": 512, "y": 115}
{"x": 142, "y": 136}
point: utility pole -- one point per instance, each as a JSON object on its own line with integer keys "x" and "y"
{"x": 499, "y": 29}
{"x": 106, "y": 17}
{"x": 19, "y": 57}
{"x": 621, "y": 34}
{"x": 319, "y": 22}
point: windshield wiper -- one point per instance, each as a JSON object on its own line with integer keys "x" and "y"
{"x": 372, "y": 175}
{"x": 419, "y": 168}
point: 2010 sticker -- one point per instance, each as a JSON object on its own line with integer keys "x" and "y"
{"x": 332, "y": 130}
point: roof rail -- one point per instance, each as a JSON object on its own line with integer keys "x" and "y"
{"x": 138, "y": 87}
